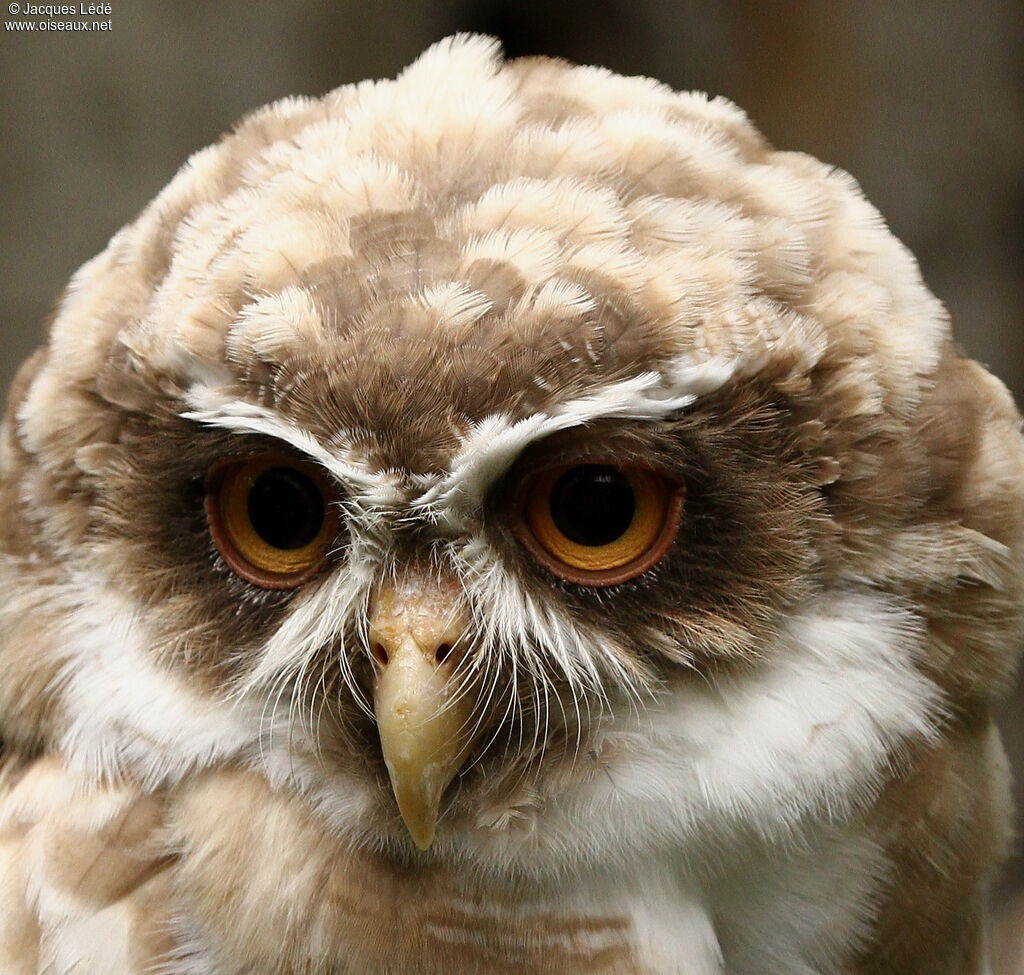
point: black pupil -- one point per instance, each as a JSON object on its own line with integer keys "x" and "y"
{"x": 286, "y": 508}
{"x": 592, "y": 504}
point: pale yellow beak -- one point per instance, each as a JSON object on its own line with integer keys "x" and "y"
{"x": 424, "y": 713}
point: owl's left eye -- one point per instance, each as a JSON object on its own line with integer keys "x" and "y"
{"x": 272, "y": 518}
{"x": 599, "y": 524}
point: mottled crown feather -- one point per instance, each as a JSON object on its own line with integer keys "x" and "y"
{"x": 473, "y": 204}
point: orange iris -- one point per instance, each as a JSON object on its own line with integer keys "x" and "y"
{"x": 272, "y": 518}
{"x": 600, "y": 524}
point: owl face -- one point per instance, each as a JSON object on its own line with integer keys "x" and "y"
{"x": 434, "y": 444}
{"x": 572, "y": 573}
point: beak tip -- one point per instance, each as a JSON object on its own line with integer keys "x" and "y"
{"x": 419, "y": 810}
{"x": 424, "y": 839}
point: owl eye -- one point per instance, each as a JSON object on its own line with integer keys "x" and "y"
{"x": 600, "y": 524}
{"x": 271, "y": 519}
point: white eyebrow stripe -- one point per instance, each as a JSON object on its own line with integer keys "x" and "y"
{"x": 488, "y": 450}
{"x": 493, "y": 444}
{"x": 370, "y": 487}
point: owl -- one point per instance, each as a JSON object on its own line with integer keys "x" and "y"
{"x": 506, "y": 519}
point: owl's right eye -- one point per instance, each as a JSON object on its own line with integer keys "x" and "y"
{"x": 599, "y": 524}
{"x": 272, "y": 518}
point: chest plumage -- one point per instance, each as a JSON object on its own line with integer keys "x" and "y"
{"x": 505, "y": 519}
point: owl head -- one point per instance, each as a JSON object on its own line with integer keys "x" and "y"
{"x": 441, "y": 444}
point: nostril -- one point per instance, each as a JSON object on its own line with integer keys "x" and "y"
{"x": 441, "y": 654}
{"x": 380, "y": 654}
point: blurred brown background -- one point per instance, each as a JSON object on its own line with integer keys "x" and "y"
{"x": 922, "y": 101}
